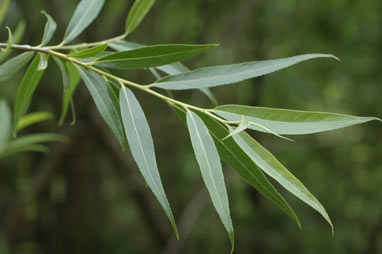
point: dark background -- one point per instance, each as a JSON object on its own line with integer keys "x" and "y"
{"x": 87, "y": 196}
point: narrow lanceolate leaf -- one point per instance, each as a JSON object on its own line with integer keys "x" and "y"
{"x": 244, "y": 124}
{"x": 272, "y": 167}
{"x": 142, "y": 147}
{"x": 91, "y": 52}
{"x": 137, "y": 13}
{"x": 33, "y": 118}
{"x": 228, "y": 74}
{"x": 99, "y": 90}
{"x": 50, "y": 28}
{"x": 9, "y": 68}
{"x": 17, "y": 36}
{"x": 3, "y": 9}
{"x": 210, "y": 167}
{"x": 10, "y": 39}
{"x": 74, "y": 78}
{"x": 289, "y": 122}
{"x": 170, "y": 69}
{"x": 85, "y": 13}
{"x": 238, "y": 160}
{"x": 151, "y": 56}
{"x": 5, "y": 120}
{"x": 26, "y": 90}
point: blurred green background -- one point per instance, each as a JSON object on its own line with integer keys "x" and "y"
{"x": 87, "y": 196}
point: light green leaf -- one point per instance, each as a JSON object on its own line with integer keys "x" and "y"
{"x": 9, "y": 68}
{"x": 85, "y": 13}
{"x": 3, "y": 9}
{"x": 142, "y": 147}
{"x": 64, "y": 73}
{"x": 238, "y": 160}
{"x": 11, "y": 149}
{"x": 136, "y": 14}
{"x": 228, "y": 74}
{"x": 151, "y": 56}
{"x": 33, "y": 118}
{"x": 271, "y": 166}
{"x": 10, "y": 39}
{"x": 50, "y": 28}
{"x": 43, "y": 64}
{"x": 289, "y": 122}
{"x": 106, "y": 106}
{"x": 26, "y": 90}
{"x": 91, "y": 52}
{"x": 69, "y": 91}
{"x": 5, "y": 120}
{"x": 211, "y": 169}
{"x": 17, "y": 36}
{"x": 244, "y": 124}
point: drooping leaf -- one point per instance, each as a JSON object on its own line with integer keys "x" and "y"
{"x": 43, "y": 64}
{"x": 228, "y": 74}
{"x": 9, "y": 68}
{"x": 142, "y": 147}
{"x": 74, "y": 78}
{"x": 50, "y": 28}
{"x": 136, "y": 14}
{"x": 211, "y": 169}
{"x": 151, "y": 56}
{"x": 5, "y": 120}
{"x": 289, "y": 122}
{"x": 64, "y": 73}
{"x": 99, "y": 90}
{"x": 33, "y": 118}
{"x": 3, "y": 10}
{"x": 272, "y": 167}
{"x": 85, "y": 13}
{"x": 26, "y": 90}
{"x": 244, "y": 124}
{"x": 17, "y": 36}
{"x": 9, "y": 149}
{"x": 91, "y": 52}
{"x": 238, "y": 160}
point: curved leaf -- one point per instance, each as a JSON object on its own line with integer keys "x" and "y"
{"x": 33, "y": 118}
{"x": 137, "y": 13}
{"x": 151, "y": 56}
{"x": 106, "y": 104}
{"x": 272, "y": 167}
{"x": 289, "y": 122}
{"x": 142, "y": 147}
{"x": 26, "y": 90}
{"x": 211, "y": 169}
{"x": 9, "y": 68}
{"x": 5, "y": 120}
{"x": 228, "y": 74}
{"x": 85, "y": 13}
{"x": 17, "y": 36}
{"x": 50, "y": 28}
{"x": 91, "y": 52}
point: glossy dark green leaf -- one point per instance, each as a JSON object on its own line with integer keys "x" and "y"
{"x": 211, "y": 169}
{"x": 50, "y": 28}
{"x": 5, "y": 120}
{"x": 91, "y": 52}
{"x": 228, "y": 74}
{"x": 9, "y": 68}
{"x": 289, "y": 122}
{"x": 142, "y": 147}
{"x": 151, "y": 56}
{"x": 238, "y": 160}
{"x": 99, "y": 90}
{"x": 137, "y": 13}
{"x": 272, "y": 167}
{"x": 85, "y": 13}
{"x": 26, "y": 90}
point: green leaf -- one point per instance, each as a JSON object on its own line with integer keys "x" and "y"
{"x": 11, "y": 149}
{"x": 5, "y": 120}
{"x": 238, "y": 160}
{"x": 9, "y": 68}
{"x": 3, "y": 10}
{"x": 228, "y": 74}
{"x": 85, "y": 13}
{"x": 105, "y": 103}
{"x": 26, "y": 90}
{"x": 50, "y": 28}
{"x": 17, "y": 36}
{"x": 10, "y": 39}
{"x": 64, "y": 73}
{"x": 91, "y": 52}
{"x": 151, "y": 56}
{"x": 289, "y": 122}
{"x": 142, "y": 147}
{"x": 136, "y": 14}
{"x": 244, "y": 124}
{"x": 43, "y": 64}
{"x": 271, "y": 166}
{"x": 74, "y": 78}
{"x": 33, "y": 118}
{"x": 211, "y": 169}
